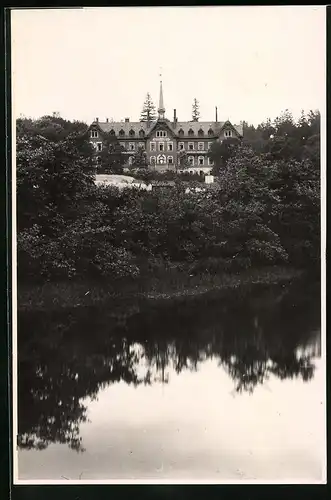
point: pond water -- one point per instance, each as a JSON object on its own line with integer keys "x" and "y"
{"x": 224, "y": 387}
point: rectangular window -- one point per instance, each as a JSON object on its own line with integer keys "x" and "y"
{"x": 131, "y": 146}
{"x": 170, "y": 146}
{"x": 123, "y": 145}
{"x": 161, "y": 133}
{"x": 210, "y": 161}
{"x": 170, "y": 160}
{"x": 191, "y": 146}
{"x": 181, "y": 146}
{"x": 228, "y": 133}
{"x": 99, "y": 146}
{"x": 161, "y": 146}
{"x": 141, "y": 145}
{"x": 153, "y": 146}
{"x": 201, "y": 146}
{"x": 94, "y": 134}
{"x": 209, "y": 145}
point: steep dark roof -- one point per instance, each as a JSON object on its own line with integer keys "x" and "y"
{"x": 216, "y": 127}
{"x": 126, "y": 126}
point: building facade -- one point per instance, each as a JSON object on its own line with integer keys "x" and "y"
{"x": 167, "y": 142}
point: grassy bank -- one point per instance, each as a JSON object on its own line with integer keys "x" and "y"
{"x": 172, "y": 286}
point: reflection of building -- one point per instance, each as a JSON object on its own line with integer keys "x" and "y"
{"x": 165, "y": 141}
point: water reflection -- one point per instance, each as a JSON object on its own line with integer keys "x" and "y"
{"x": 67, "y": 356}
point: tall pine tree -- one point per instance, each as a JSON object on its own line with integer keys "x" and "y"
{"x": 195, "y": 110}
{"x": 148, "y": 112}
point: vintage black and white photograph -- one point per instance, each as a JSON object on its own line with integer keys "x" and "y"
{"x": 168, "y": 208}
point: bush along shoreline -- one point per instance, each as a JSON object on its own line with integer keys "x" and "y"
{"x": 264, "y": 216}
{"x": 67, "y": 295}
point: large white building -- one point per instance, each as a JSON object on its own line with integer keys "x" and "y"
{"x": 165, "y": 140}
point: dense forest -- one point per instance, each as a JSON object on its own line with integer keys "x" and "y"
{"x": 265, "y": 212}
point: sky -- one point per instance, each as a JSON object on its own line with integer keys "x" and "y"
{"x": 250, "y": 62}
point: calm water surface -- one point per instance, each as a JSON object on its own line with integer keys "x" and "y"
{"x": 224, "y": 387}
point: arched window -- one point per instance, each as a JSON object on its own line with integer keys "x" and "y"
{"x": 201, "y": 133}
{"x": 210, "y": 131}
{"x": 180, "y": 131}
{"x": 121, "y": 133}
{"x": 191, "y": 160}
{"x": 112, "y": 132}
{"x": 141, "y": 133}
{"x": 201, "y": 160}
{"x": 190, "y": 132}
{"x": 161, "y": 159}
{"x": 131, "y": 133}
{"x": 152, "y": 160}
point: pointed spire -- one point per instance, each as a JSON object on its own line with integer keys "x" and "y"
{"x": 161, "y": 109}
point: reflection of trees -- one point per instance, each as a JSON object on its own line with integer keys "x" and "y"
{"x": 59, "y": 365}
{"x": 68, "y": 357}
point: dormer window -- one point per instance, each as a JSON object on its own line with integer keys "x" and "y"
{"x": 112, "y": 132}
{"x": 121, "y": 133}
{"x": 190, "y": 132}
{"x": 201, "y": 133}
{"x": 180, "y": 131}
{"x": 161, "y": 133}
{"x": 94, "y": 134}
{"x": 141, "y": 133}
{"x": 228, "y": 133}
{"x": 210, "y": 131}
{"x": 131, "y": 133}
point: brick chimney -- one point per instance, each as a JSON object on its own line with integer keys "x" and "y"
{"x": 107, "y": 120}
{"x": 175, "y": 117}
{"x": 127, "y": 120}
{"x": 216, "y": 114}
{"x": 97, "y": 119}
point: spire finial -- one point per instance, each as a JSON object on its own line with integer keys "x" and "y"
{"x": 161, "y": 109}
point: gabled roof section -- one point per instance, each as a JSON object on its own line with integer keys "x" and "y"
{"x": 162, "y": 124}
{"x": 236, "y": 128}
